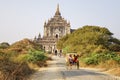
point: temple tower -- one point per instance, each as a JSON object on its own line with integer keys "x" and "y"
{"x": 56, "y": 26}
{"x": 54, "y": 29}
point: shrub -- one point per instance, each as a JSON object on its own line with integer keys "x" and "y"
{"x": 4, "y": 45}
{"x": 35, "y": 56}
{"x": 96, "y": 58}
{"x": 117, "y": 58}
{"x": 20, "y": 58}
{"x": 91, "y": 60}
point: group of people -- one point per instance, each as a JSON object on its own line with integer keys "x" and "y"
{"x": 72, "y": 59}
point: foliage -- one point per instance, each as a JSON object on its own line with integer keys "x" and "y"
{"x": 4, "y": 45}
{"x": 114, "y": 47}
{"x": 14, "y": 60}
{"x": 117, "y": 58}
{"x": 95, "y": 44}
{"x": 89, "y": 39}
{"x": 66, "y": 50}
{"x": 91, "y": 60}
{"x": 61, "y": 41}
{"x": 35, "y": 56}
{"x": 96, "y": 58}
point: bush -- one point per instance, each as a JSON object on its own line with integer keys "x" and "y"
{"x": 35, "y": 56}
{"x": 48, "y": 52}
{"x": 117, "y": 58}
{"x": 4, "y": 45}
{"x": 91, "y": 60}
{"x": 20, "y": 58}
{"x": 96, "y": 58}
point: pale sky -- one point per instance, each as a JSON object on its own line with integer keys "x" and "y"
{"x": 25, "y": 18}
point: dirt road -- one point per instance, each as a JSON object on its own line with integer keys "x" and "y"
{"x": 57, "y": 71}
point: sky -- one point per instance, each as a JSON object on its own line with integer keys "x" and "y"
{"x": 21, "y": 19}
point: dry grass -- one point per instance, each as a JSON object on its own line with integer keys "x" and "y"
{"x": 14, "y": 71}
{"x": 12, "y": 65}
{"x": 82, "y": 64}
{"x": 108, "y": 64}
{"x": 114, "y": 71}
{"x": 110, "y": 67}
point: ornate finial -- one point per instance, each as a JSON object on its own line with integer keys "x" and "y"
{"x": 58, "y": 7}
{"x": 57, "y": 11}
{"x": 39, "y": 36}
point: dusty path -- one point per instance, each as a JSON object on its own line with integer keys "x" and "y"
{"x": 57, "y": 71}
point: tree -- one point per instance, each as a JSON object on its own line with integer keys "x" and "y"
{"x": 87, "y": 39}
{"x": 4, "y": 45}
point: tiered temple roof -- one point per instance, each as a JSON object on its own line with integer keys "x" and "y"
{"x": 55, "y": 28}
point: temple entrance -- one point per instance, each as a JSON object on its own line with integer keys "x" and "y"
{"x": 56, "y": 36}
{"x": 56, "y": 52}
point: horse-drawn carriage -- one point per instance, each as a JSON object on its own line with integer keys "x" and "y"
{"x": 72, "y": 60}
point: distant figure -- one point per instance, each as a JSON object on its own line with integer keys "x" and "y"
{"x": 60, "y": 54}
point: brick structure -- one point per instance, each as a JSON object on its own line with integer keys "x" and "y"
{"x": 54, "y": 29}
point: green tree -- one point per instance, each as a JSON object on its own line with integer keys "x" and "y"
{"x": 87, "y": 39}
{"x": 4, "y": 45}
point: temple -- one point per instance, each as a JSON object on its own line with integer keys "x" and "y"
{"x": 54, "y": 29}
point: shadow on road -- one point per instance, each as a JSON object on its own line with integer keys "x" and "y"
{"x": 80, "y": 72}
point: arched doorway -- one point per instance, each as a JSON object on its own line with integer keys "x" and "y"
{"x": 56, "y": 36}
{"x": 55, "y": 52}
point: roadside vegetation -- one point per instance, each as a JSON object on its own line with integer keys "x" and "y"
{"x": 19, "y": 60}
{"x": 96, "y": 46}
